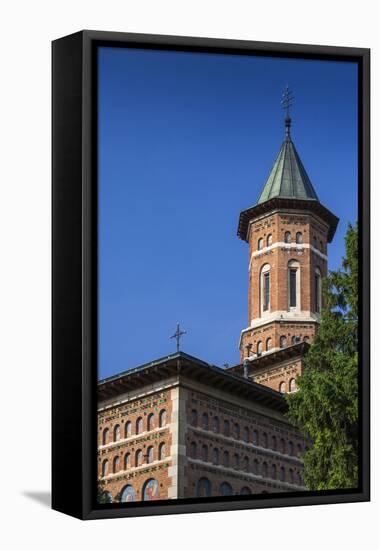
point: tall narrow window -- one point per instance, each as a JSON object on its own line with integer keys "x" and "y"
{"x": 299, "y": 238}
{"x": 162, "y": 418}
{"x": 292, "y": 287}
{"x": 287, "y": 237}
{"x": 162, "y": 451}
{"x": 268, "y": 344}
{"x": 283, "y": 341}
{"x": 265, "y": 288}
{"x": 282, "y": 387}
{"x": 139, "y": 425}
{"x": 269, "y": 240}
{"x": 116, "y": 433}
{"x": 105, "y": 436}
{"x": 266, "y": 291}
{"x": 260, "y": 244}
{"x": 259, "y": 348}
{"x": 150, "y": 455}
{"x": 150, "y": 422}
{"x": 317, "y": 291}
{"x": 293, "y": 284}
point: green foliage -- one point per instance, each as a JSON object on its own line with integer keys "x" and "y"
{"x": 103, "y": 496}
{"x": 326, "y": 406}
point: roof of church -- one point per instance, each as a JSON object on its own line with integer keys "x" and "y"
{"x": 186, "y": 366}
{"x": 287, "y": 186}
{"x": 288, "y": 177}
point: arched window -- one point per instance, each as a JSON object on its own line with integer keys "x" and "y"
{"x": 260, "y": 244}
{"x": 205, "y": 421}
{"x": 150, "y": 422}
{"x": 290, "y": 448}
{"x": 226, "y": 459}
{"x": 105, "y": 436}
{"x": 273, "y": 471}
{"x": 264, "y": 469}
{"x": 255, "y": 437}
{"x": 128, "y": 494}
{"x": 128, "y": 429}
{"x": 150, "y": 454}
{"x": 268, "y": 344}
{"x": 256, "y": 466}
{"x": 116, "y": 464}
{"x": 282, "y": 473}
{"x": 321, "y": 247}
{"x": 226, "y": 428}
{"x": 162, "y": 451}
{"x": 139, "y": 425}
{"x": 299, "y": 238}
{"x": 317, "y": 290}
{"x": 116, "y": 433}
{"x": 245, "y": 491}
{"x": 287, "y": 237}
{"x": 245, "y": 465}
{"x": 315, "y": 242}
{"x": 150, "y": 490}
{"x": 282, "y": 387}
{"x": 193, "y": 450}
{"x": 283, "y": 342}
{"x": 259, "y": 348}
{"x": 293, "y": 284}
{"x": 104, "y": 468}
{"x": 283, "y": 446}
{"x": 264, "y": 439}
{"x": 269, "y": 240}
{"x": 246, "y": 434}
{"x": 292, "y": 385}
{"x": 216, "y": 456}
{"x": 138, "y": 457}
{"x": 194, "y": 417}
{"x": 162, "y": 418}
{"x": 225, "y": 489}
{"x": 203, "y": 487}
{"x": 237, "y": 431}
{"x": 204, "y": 453}
{"x": 295, "y": 339}
{"x": 299, "y": 450}
{"x": 216, "y": 424}
{"x": 265, "y": 288}
{"x": 306, "y": 339}
{"x": 236, "y": 461}
{"x": 127, "y": 461}
{"x": 291, "y": 476}
{"x": 274, "y": 443}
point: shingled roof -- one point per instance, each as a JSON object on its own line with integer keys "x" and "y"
{"x": 288, "y": 178}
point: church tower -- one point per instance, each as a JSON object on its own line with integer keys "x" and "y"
{"x": 288, "y": 231}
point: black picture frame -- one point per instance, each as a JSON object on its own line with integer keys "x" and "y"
{"x": 74, "y": 266}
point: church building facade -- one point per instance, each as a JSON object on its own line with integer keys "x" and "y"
{"x": 179, "y": 427}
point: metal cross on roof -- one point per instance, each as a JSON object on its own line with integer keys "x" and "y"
{"x": 178, "y": 334}
{"x": 287, "y": 100}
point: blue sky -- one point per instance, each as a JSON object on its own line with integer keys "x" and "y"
{"x": 186, "y": 141}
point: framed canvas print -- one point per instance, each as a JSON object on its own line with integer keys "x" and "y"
{"x": 210, "y": 275}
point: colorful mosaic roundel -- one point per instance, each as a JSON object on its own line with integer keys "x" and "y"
{"x": 128, "y": 494}
{"x": 150, "y": 490}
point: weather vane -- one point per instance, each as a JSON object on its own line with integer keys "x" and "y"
{"x": 178, "y": 334}
{"x": 287, "y": 102}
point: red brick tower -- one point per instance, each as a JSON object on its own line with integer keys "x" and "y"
{"x": 287, "y": 231}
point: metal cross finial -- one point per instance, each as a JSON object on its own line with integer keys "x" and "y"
{"x": 178, "y": 334}
{"x": 287, "y": 102}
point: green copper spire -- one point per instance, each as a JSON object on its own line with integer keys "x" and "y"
{"x": 288, "y": 178}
